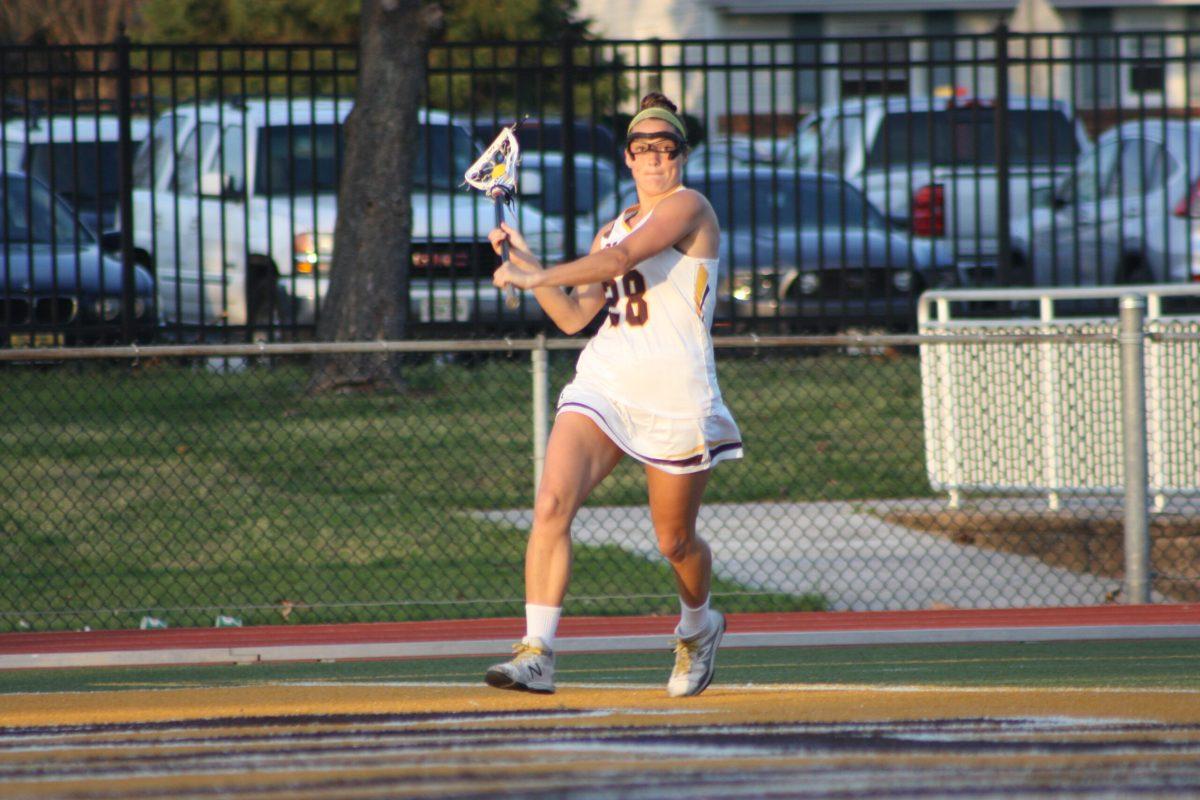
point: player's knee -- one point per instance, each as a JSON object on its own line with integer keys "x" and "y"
{"x": 676, "y": 546}
{"x": 550, "y": 506}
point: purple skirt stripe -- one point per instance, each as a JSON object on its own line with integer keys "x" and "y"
{"x": 682, "y": 462}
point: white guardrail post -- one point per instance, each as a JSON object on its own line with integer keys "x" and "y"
{"x": 541, "y": 408}
{"x": 1131, "y": 340}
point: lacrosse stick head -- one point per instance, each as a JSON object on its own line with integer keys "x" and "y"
{"x": 495, "y": 172}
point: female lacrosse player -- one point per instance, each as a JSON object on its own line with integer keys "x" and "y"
{"x": 645, "y": 386}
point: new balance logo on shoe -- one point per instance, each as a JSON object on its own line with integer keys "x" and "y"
{"x": 530, "y": 670}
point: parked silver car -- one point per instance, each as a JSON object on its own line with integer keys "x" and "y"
{"x": 1127, "y": 214}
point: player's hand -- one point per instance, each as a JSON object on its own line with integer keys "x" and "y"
{"x": 519, "y": 251}
{"x": 516, "y": 274}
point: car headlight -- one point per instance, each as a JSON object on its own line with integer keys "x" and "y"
{"x": 810, "y": 283}
{"x": 755, "y": 287}
{"x": 107, "y": 309}
{"x": 312, "y": 252}
{"x": 902, "y": 280}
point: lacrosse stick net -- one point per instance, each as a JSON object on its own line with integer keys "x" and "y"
{"x": 495, "y": 174}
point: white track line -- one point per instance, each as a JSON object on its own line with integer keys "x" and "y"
{"x": 588, "y": 644}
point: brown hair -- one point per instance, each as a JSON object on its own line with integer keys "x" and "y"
{"x": 659, "y": 100}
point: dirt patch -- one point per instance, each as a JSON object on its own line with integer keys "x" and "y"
{"x": 1094, "y": 544}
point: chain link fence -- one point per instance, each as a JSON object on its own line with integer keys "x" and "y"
{"x": 186, "y": 483}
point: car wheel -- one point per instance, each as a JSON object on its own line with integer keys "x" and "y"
{"x": 262, "y": 310}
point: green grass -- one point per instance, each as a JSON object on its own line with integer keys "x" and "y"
{"x": 181, "y": 492}
{"x": 1166, "y": 664}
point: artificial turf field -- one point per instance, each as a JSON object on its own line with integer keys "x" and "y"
{"x": 1047, "y": 719}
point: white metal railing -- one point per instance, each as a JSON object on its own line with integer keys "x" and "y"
{"x": 1046, "y": 417}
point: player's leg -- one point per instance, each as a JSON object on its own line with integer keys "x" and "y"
{"x": 578, "y": 457}
{"x": 674, "y": 507}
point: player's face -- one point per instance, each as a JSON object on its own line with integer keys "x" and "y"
{"x": 649, "y": 159}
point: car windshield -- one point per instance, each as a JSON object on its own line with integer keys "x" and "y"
{"x": 84, "y": 170}
{"x": 33, "y": 215}
{"x": 591, "y": 187}
{"x": 773, "y": 201}
{"x": 306, "y": 159}
{"x": 967, "y": 137}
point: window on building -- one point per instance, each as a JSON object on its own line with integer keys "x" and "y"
{"x": 807, "y": 29}
{"x": 1095, "y": 55}
{"x": 1148, "y": 72}
{"x": 940, "y": 27}
{"x": 873, "y": 67}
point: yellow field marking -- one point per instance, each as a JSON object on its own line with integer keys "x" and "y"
{"x": 153, "y": 684}
{"x": 728, "y": 704}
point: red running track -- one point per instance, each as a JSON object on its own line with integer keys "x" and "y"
{"x": 295, "y": 642}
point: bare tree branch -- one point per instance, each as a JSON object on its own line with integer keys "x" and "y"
{"x": 65, "y": 21}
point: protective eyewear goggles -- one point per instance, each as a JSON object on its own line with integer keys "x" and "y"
{"x": 664, "y": 143}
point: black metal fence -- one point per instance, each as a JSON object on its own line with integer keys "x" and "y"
{"x": 179, "y": 488}
{"x": 849, "y": 174}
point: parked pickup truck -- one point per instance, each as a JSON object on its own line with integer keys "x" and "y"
{"x": 931, "y": 164}
{"x": 234, "y": 207}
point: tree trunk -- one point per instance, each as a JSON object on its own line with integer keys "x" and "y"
{"x": 369, "y": 275}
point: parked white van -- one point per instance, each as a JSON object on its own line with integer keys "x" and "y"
{"x": 235, "y": 206}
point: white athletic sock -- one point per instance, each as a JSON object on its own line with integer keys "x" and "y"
{"x": 692, "y": 620}
{"x": 542, "y": 622}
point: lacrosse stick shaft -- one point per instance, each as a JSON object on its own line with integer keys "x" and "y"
{"x": 511, "y": 300}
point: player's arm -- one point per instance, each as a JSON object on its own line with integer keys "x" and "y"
{"x": 675, "y": 218}
{"x": 570, "y": 311}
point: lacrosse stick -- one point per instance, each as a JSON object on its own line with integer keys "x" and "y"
{"x": 495, "y": 174}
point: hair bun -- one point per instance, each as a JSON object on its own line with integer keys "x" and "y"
{"x": 658, "y": 100}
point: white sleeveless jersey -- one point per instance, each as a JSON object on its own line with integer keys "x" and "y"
{"x": 654, "y": 351}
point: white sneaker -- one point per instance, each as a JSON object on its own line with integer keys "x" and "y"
{"x": 696, "y": 658}
{"x": 531, "y": 669}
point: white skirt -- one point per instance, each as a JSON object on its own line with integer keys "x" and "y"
{"x": 679, "y": 446}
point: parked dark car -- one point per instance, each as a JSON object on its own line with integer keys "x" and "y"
{"x": 810, "y": 250}
{"x": 547, "y": 133}
{"x": 56, "y": 285}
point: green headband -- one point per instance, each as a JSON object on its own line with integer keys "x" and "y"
{"x": 657, "y": 113}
